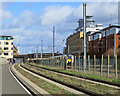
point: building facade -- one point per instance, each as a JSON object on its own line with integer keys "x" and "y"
{"x": 74, "y": 43}
{"x": 103, "y": 42}
{"x": 6, "y": 46}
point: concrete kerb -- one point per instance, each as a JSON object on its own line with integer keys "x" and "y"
{"x": 33, "y": 87}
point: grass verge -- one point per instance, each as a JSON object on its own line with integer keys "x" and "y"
{"x": 101, "y": 89}
{"x": 84, "y": 75}
{"x": 50, "y": 88}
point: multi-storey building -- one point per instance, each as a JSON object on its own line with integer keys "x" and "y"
{"x": 6, "y": 46}
{"x": 74, "y": 43}
{"x": 103, "y": 42}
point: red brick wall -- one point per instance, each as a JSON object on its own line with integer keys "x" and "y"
{"x": 99, "y": 47}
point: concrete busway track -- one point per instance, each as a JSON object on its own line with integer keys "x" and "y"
{"x": 55, "y": 82}
{"x": 10, "y": 84}
{"x": 86, "y": 91}
{"x": 33, "y": 88}
{"x": 96, "y": 81}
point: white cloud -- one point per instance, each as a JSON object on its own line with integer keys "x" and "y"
{"x": 6, "y": 15}
{"x": 36, "y": 27}
{"x": 55, "y": 14}
{"x": 103, "y": 12}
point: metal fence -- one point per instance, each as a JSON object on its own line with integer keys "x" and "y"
{"x": 105, "y": 67}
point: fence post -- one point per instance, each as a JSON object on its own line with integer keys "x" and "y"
{"x": 79, "y": 62}
{"x": 94, "y": 63}
{"x": 101, "y": 65}
{"x": 72, "y": 64}
{"x": 88, "y": 63}
{"x": 108, "y": 65}
{"x": 75, "y": 62}
{"x": 65, "y": 67}
{"x": 63, "y": 62}
{"x": 116, "y": 73}
{"x": 83, "y": 64}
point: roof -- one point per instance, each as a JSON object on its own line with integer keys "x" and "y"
{"x": 15, "y": 47}
{"x": 110, "y": 26}
{"x": 117, "y": 26}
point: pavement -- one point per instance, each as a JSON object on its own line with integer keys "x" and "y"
{"x": 32, "y": 86}
{"x": 0, "y": 80}
{"x": 9, "y": 84}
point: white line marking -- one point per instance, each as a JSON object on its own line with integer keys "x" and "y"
{"x": 19, "y": 82}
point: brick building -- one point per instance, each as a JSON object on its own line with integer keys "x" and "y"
{"x": 102, "y": 42}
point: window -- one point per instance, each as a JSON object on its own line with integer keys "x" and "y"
{"x": 119, "y": 46}
{"x": 11, "y": 53}
{"x": 0, "y": 53}
{"x": 119, "y": 38}
{"x": 0, "y": 43}
{"x": 12, "y": 43}
{"x": 119, "y": 32}
{"x": 5, "y": 53}
{"x": 6, "y": 43}
{"x": 5, "y": 48}
{"x": 5, "y": 38}
{"x": 12, "y": 48}
{"x": 8, "y": 38}
{"x": 0, "y": 38}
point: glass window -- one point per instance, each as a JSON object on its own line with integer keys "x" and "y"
{"x": 119, "y": 38}
{"x": 6, "y": 43}
{"x": 0, "y": 53}
{"x": 0, "y": 43}
{"x": 119, "y": 46}
{"x": 119, "y": 32}
{"x": 69, "y": 57}
{"x": 12, "y": 48}
{"x": 8, "y": 38}
{"x": 5, "y": 48}
{"x": 5, "y": 53}
{"x": 12, "y": 43}
{"x": 0, "y": 38}
{"x": 11, "y": 53}
{"x": 4, "y": 38}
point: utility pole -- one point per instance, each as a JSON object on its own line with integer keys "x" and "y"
{"x": 84, "y": 18}
{"x": 53, "y": 39}
{"x": 115, "y": 47}
{"x": 37, "y": 52}
{"x": 34, "y": 52}
{"x": 41, "y": 49}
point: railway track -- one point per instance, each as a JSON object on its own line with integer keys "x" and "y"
{"x": 73, "y": 91}
{"x": 89, "y": 92}
{"x": 101, "y": 82}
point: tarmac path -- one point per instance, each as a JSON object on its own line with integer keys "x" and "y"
{"x": 10, "y": 84}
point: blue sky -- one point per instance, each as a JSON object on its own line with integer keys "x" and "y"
{"x": 31, "y": 22}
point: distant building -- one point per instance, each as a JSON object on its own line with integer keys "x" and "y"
{"x": 15, "y": 50}
{"x": 74, "y": 43}
{"x": 6, "y": 44}
{"x": 44, "y": 55}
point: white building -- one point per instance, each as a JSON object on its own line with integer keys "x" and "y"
{"x": 6, "y": 45}
{"x": 90, "y": 27}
